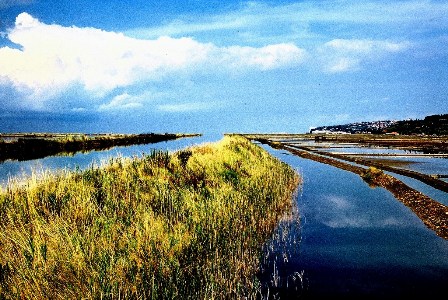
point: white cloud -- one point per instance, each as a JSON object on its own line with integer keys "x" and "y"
{"x": 341, "y": 55}
{"x": 268, "y": 57}
{"x": 342, "y": 64}
{"x": 343, "y": 212}
{"x": 339, "y": 203}
{"x": 187, "y": 107}
{"x": 25, "y": 20}
{"x": 179, "y": 27}
{"x": 123, "y": 101}
{"x": 365, "y": 46}
{"x": 54, "y": 59}
{"x": 404, "y": 16}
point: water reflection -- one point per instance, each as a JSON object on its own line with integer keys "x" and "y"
{"x": 82, "y": 160}
{"x": 348, "y": 240}
{"x": 361, "y": 242}
{"x": 341, "y": 212}
{"x": 275, "y": 274}
{"x": 423, "y": 164}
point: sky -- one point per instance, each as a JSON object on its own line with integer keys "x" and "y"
{"x": 219, "y": 66}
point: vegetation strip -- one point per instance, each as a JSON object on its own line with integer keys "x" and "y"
{"x": 395, "y": 154}
{"x": 428, "y": 179}
{"x": 433, "y": 214}
{"x": 427, "y": 144}
{"x": 38, "y": 145}
{"x": 187, "y": 225}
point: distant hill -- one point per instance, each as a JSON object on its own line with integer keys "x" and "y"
{"x": 430, "y": 125}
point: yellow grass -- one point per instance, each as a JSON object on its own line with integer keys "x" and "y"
{"x": 189, "y": 224}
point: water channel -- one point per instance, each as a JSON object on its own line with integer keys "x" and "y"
{"x": 20, "y": 169}
{"x": 357, "y": 241}
{"x": 349, "y": 240}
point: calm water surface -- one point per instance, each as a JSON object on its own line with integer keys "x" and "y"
{"x": 358, "y": 241}
{"x": 351, "y": 240}
{"x": 427, "y": 165}
{"x": 80, "y": 160}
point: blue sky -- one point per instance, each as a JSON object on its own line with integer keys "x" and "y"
{"x": 219, "y": 66}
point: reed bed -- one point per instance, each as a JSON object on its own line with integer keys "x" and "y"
{"x": 28, "y": 146}
{"x": 183, "y": 225}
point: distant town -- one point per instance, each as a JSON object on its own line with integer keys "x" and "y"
{"x": 430, "y": 125}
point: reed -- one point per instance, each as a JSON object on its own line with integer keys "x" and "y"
{"x": 187, "y": 224}
{"x": 39, "y": 145}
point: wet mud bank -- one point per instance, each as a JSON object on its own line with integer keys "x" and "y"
{"x": 432, "y": 213}
{"x": 428, "y": 179}
{"x": 426, "y": 144}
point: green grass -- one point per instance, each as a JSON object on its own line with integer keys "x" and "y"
{"x": 38, "y": 145}
{"x": 190, "y": 224}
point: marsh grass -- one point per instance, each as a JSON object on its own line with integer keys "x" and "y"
{"x": 370, "y": 176}
{"x": 190, "y": 224}
{"x": 39, "y": 145}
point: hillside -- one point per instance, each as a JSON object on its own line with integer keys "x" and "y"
{"x": 430, "y": 125}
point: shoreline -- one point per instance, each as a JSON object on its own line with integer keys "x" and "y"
{"x": 431, "y": 212}
{"x": 39, "y": 145}
{"x": 191, "y": 223}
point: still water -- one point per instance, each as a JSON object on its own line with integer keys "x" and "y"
{"x": 348, "y": 240}
{"x": 423, "y": 164}
{"x": 358, "y": 241}
{"x": 12, "y": 168}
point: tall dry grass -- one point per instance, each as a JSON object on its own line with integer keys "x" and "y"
{"x": 190, "y": 224}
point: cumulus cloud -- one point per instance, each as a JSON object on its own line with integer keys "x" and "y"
{"x": 53, "y": 59}
{"x": 52, "y": 65}
{"x": 340, "y": 55}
